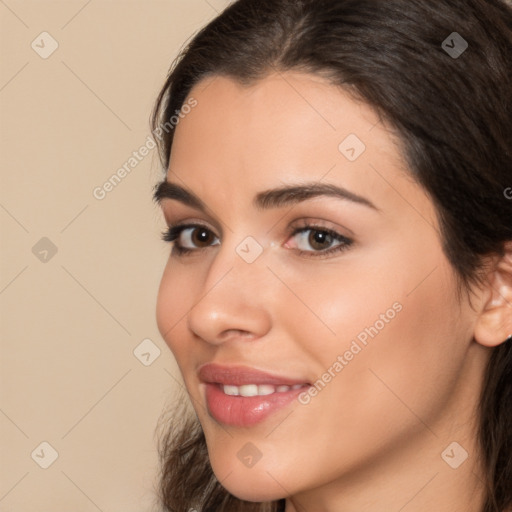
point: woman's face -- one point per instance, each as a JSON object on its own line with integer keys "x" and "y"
{"x": 359, "y": 309}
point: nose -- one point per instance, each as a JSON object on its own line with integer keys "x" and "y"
{"x": 234, "y": 300}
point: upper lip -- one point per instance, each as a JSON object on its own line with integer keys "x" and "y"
{"x": 242, "y": 375}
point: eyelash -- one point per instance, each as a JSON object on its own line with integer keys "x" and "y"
{"x": 174, "y": 231}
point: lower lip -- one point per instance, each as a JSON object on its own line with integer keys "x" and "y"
{"x": 245, "y": 411}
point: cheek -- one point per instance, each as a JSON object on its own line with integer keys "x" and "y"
{"x": 351, "y": 300}
{"x": 400, "y": 349}
{"x": 173, "y": 301}
{"x": 396, "y": 359}
{"x": 423, "y": 351}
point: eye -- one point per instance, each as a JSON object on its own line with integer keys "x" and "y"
{"x": 188, "y": 237}
{"x": 320, "y": 239}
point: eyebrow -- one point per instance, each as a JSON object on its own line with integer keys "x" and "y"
{"x": 267, "y": 199}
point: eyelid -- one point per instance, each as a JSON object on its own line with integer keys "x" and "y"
{"x": 290, "y": 230}
{"x": 181, "y": 220}
{"x": 173, "y": 219}
{"x": 320, "y": 223}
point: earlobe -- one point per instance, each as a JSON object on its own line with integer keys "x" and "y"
{"x": 494, "y": 324}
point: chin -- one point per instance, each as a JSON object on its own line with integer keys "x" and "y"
{"x": 249, "y": 484}
{"x": 245, "y": 489}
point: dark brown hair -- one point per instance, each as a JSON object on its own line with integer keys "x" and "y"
{"x": 453, "y": 116}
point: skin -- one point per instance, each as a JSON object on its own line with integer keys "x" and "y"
{"x": 372, "y": 439}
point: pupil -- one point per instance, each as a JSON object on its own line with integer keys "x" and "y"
{"x": 203, "y": 235}
{"x": 319, "y": 238}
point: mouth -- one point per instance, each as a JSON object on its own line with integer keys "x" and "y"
{"x": 257, "y": 389}
{"x": 242, "y": 397}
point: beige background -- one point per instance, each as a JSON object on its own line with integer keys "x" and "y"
{"x": 70, "y": 322}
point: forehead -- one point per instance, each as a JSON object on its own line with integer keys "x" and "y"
{"x": 290, "y": 106}
{"x": 241, "y": 139}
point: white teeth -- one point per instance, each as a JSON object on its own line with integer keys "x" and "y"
{"x": 231, "y": 390}
{"x": 257, "y": 390}
{"x": 248, "y": 390}
{"x": 265, "y": 389}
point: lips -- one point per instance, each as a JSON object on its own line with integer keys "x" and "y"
{"x": 240, "y": 396}
{"x": 243, "y": 375}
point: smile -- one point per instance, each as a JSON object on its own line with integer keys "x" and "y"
{"x": 241, "y": 396}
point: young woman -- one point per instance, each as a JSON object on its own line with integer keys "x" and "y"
{"x": 338, "y": 296}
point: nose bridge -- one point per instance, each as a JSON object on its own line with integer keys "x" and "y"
{"x": 234, "y": 295}
{"x": 242, "y": 263}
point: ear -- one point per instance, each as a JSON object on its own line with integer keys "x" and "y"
{"x": 494, "y": 323}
